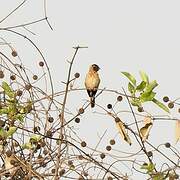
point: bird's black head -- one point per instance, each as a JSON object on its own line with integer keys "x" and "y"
{"x": 95, "y": 67}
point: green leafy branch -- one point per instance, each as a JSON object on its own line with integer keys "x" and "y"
{"x": 7, "y": 133}
{"x": 144, "y": 91}
{"x": 150, "y": 170}
{"x": 35, "y": 141}
{"x": 13, "y": 110}
{"x": 11, "y": 107}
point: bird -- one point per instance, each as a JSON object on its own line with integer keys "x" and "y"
{"x": 92, "y": 82}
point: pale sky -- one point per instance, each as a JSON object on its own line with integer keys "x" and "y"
{"x": 121, "y": 36}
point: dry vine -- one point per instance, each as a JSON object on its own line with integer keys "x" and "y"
{"x": 38, "y": 138}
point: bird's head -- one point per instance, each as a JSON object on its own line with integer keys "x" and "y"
{"x": 95, "y": 67}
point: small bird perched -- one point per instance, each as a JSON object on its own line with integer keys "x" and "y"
{"x": 92, "y": 82}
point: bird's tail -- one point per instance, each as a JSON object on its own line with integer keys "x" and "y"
{"x": 92, "y": 100}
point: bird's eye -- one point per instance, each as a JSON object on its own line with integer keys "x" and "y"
{"x": 95, "y": 67}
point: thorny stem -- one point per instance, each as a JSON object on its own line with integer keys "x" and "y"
{"x": 50, "y": 77}
{"x": 58, "y": 163}
{"x": 23, "y": 25}
{"x": 140, "y": 143}
{"x": 13, "y": 11}
{"x": 64, "y": 125}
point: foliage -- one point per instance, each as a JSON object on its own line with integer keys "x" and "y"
{"x": 41, "y": 129}
{"x": 145, "y": 89}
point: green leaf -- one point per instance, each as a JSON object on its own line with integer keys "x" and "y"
{"x": 4, "y": 111}
{"x": 7, "y": 89}
{"x": 151, "y": 86}
{"x": 27, "y": 146}
{"x": 28, "y": 107}
{"x": 149, "y": 167}
{"x": 147, "y": 96}
{"x": 2, "y": 132}
{"x": 130, "y": 77}
{"x": 11, "y": 131}
{"x": 12, "y": 108}
{"x": 135, "y": 102}
{"x": 144, "y": 77}
{"x": 158, "y": 176}
{"x": 161, "y": 105}
{"x": 22, "y": 110}
{"x": 131, "y": 88}
{"x": 35, "y": 138}
{"x": 20, "y": 117}
{"x": 141, "y": 86}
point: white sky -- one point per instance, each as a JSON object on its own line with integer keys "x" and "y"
{"x": 121, "y": 36}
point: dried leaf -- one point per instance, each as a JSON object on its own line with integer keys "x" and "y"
{"x": 7, "y": 163}
{"x": 144, "y": 131}
{"x": 177, "y": 131}
{"x": 122, "y": 131}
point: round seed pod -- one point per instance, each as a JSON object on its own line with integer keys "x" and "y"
{"x": 45, "y": 152}
{"x": 77, "y": 120}
{"x": 167, "y": 145}
{"x": 85, "y": 174}
{"x": 14, "y": 53}
{"x": 117, "y": 119}
{"x": 53, "y": 171}
{"x": 62, "y": 172}
{"x": 81, "y": 110}
{"x": 108, "y": 148}
{"x": 119, "y": 98}
{"x": 13, "y": 77}
{"x": 140, "y": 109}
{"x": 49, "y": 134}
{"x": 50, "y": 119}
{"x": 80, "y": 157}
{"x": 41, "y": 63}
{"x": 70, "y": 162}
{"x": 102, "y": 155}
{"x": 109, "y": 106}
{"x": 112, "y": 142}
{"x": 1, "y": 74}
{"x": 28, "y": 87}
{"x": 77, "y": 75}
{"x": 149, "y": 154}
{"x": 170, "y": 105}
{"x": 165, "y": 98}
{"x": 19, "y": 92}
{"x": 35, "y": 77}
{"x": 83, "y": 144}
